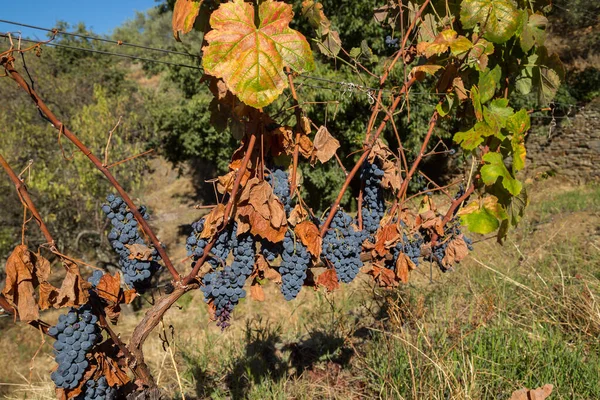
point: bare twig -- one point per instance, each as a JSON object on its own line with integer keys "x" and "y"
{"x": 110, "y": 134}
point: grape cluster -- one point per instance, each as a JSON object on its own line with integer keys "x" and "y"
{"x": 373, "y": 204}
{"x": 410, "y": 247}
{"x": 270, "y": 250}
{"x": 97, "y": 390}
{"x": 226, "y": 287}
{"x": 76, "y": 333}
{"x": 390, "y": 42}
{"x": 195, "y": 245}
{"x": 341, "y": 247}
{"x": 295, "y": 261}
{"x": 280, "y": 182}
{"x": 137, "y": 273}
{"x": 95, "y": 278}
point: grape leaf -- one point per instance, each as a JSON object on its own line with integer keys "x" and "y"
{"x": 184, "y": 16}
{"x": 19, "y": 287}
{"x": 488, "y": 83}
{"x": 329, "y": 280}
{"x": 515, "y": 209}
{"x": 498, "y": 19}
{"x": 308, "y": 233}
{"x": 517, "y": 125}
{"x": 440, "y": 44}
{"x": 329, "y": 43}
{"x": 482, "y": 216}
{"x": 476, "y": 99}
{"x": 251, "y": 59}
{"x": 421, "y": 71}
{"x": 456, "y": 251}
{"x": 472, "y": 138}
{"x": 547, "y": 75}
{"x": 497, "y": 114}
{"x": 325, "y": 146}
{"x": 494, "y": 169}
{"x": 534, "y": 31}
{"x": 478, "y": 55}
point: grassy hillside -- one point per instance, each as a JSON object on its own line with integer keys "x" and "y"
{"x": 521, "y": 315}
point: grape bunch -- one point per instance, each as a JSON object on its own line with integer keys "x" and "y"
{"x": 373, "y": 204}
{"x": 195, "y": 245}
{"x": 410, "y": 247}
{"x": 270, "y": 250}
{"x": 390, "y": 42}
{"x": 295, "y": 261}
{"x": 94, "y": 280}
{"x": 280, "y": 182}
{"x": 97, "y": 390}
{"x": 226, "y": 287}
{"x": 76, "y": 333}
{"x": 341, "y": 247}
{"x": 124, "y": 232}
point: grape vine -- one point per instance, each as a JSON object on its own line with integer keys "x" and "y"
{"x": 262, "y": 228}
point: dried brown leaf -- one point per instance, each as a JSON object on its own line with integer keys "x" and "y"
{"x": 297, "y": 215}
{"x": 19, "y": 288}
{"x": 305, "y": 146}
{"x": 456, "y": 251}
{"x": 259, "y": 225}
{"x": 310, "y": 237}
{"x": 73, "y": 291}
{"x": 212, "y": 221}
{"x": 329, "y": 280}
{"x": 325, "y": 146}
{"x": 139, "y": 251}
{"x": 540, "y": 393}
{"x": 386, "y": 238}
{"x": 109, "y": 287}
{"x": 403, "y": 266}
{"x": 391, "y": 176}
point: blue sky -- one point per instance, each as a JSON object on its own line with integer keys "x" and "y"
{"x": 102, "y": 16}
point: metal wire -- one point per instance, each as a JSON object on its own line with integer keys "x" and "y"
{"x": 109, "y": 53}
{"x": 117, "y": 42}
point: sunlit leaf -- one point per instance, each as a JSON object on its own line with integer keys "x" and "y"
{"x": 488, "y": 83}
{"x": 534, "y": 31}
{"x": 483, "y": 216}
{"x": 495, "y": 169}
{"x": 498, "y": 19}
{"x": 184, "y": 16}
{"x": 251, "y": 59}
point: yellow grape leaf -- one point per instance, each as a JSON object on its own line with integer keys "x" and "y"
{"x": 251, "y": 59}
{"x": 184, "y": 16}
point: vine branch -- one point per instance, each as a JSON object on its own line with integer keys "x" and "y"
{"x": 8, "y": 65}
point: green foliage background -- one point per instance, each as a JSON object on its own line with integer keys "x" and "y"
{"x": 168, "y": 108}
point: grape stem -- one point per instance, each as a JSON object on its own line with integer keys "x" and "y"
{"x": 364, "y": 156}
{"x": 8, "y": 65}
{"x": 298, "y": 113}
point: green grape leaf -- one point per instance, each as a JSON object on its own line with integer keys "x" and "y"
{"x": 497, "y": 114}
{"x": 251, "y": 59}
{"x": 483, "y": 216}
{"x": 495, "y": 169}
{"x": 476, "y": 99}
{"x": 444, "y": 108}
{"x": 472, "y": 138}
{"x": 184, "y": 16}
{"x": 488, "y": 83}
{"x": 515, "y": 211}
{"x": 524, "y": 82}
{"x": 534, "y": 31}
{"x": 355, "y": 52}
{"x": 517, "y": 125}
{"x": 498, "y": 19}
{"x": 460, "y": 45}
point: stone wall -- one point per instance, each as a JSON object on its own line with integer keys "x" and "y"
{"x": 573, "y": 149}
